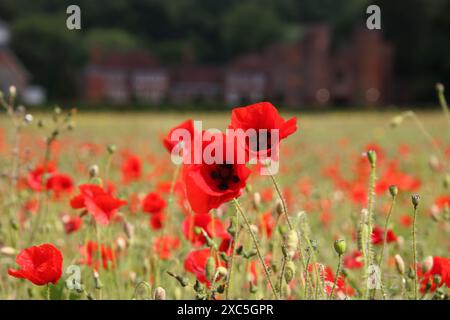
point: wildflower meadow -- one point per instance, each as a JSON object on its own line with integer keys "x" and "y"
{"x": 94, "y": 205}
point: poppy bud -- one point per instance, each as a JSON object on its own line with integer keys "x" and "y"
{"x": 159, "y": 294}
{"x": 97, "y": 281}
{"x": 128, "y": 228}
{"x": 239, "y": 250}
{"x": 28, "y": 118}
{"x": 220, "y": 289}
{"x": 198, "y": 287}
{"x": 279, "y": 208}
{"x": 399, "y": 264}
{"x": 210, "y": 268}
{"x": 253, "y": 288}
{"x": 111, "y": 148}
{"x": 256, "y": 200}
{"x": 393, "y": 190}
{"x": 7, "y": 251}
{"x": 434, "y": 163}
{"x": 415, "y": 199}
{"x": 372, "y": 156}
{"x": 57, "y": 110}
{"x": 183, "y": 281}
{"x": 93, "y": 171}
{"x": 232, "y": 228}
{"x": 340, "y": 246}
{"x": 12, "y": 92}
{"x": 222, "y": 271}
{"x": 71, "y": 125}
{"x": 440, "y": 88}
{"x": 250, "y": 253}
{"x": 427, "y": 264}
{"x": 291, "y": 242}
{"x": 289, "y": 272}
{"x": 248, "y": 188}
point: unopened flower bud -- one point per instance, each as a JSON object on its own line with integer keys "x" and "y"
{"x": 111, "y": 148}
{"x": 415, "y": 199}
{"x": 256, "y": 200}
{"x": 372, "y": 156}
{"x": 93, "y": 171}
{"x": 159, "y": 294}
{"x": 279, "y": 208}
{"x": 210, "y": 268}
{"x": 289, "y": 272}
{"x": 97, "y": 281}
{"x": 291, "y": 242}
{"x": 399, "y": 264}
{"x": 222, "y": 271}
{"x": 340, "y": 246}
{"x": 12, "y": 91}
{"x": 28, "y": 118}
{"x": 393, "y": 190}
{"x": 440, "y": 88}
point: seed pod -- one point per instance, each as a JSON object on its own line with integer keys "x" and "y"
{"x": 340, "y": 246}
{"x": 415, "y": 199}
{"x": 393, "y": 190}
{"x": 289, "y": 272}
{"x": 399, "y": 264}
{"x": 159, "y": 294}
{"x": 372, "y": 156}
{"x": 210, "y": 268}
{"x": 256, "y": 200}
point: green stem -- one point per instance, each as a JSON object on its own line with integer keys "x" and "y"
{"x": 415, "y": 253}
{"x": 258, "y": 251}
{"x": 233, "y": 250}
{"x": 370, "y": 210}
{"x": 338, "y": 271}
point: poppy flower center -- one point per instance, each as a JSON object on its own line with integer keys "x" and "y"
{"x": 223, "y": 175}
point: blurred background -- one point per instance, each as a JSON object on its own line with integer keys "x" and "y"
{"x": 209, "y": 54}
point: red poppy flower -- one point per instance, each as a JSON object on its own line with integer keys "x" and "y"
{"x": 35, "y": 179}
{"x": 157, "y": 220}
{"x": 153, "y": 203}
{"x": 131, "y": 168}
{"x": 97, "y": 202}
{"x": 441, "y": 268}
{"x": 354, "y": 260}
{"x": 212, "y": 227}
{"x": 195, "y": 263}
{"x": 163, "y": 246}
{"x": 89, "y": 254}
{"x": 59, "y": 183}
{"x": 260, "y": 116}
{"x": 71, "y": 224}
{"x": 39, "y": 264}
{"x": 442, "y": 201}
{"x": 186, "y": 125}
{"x": 267, "y": 223}
{"x": 378, "y": 234}
{"x": 208, "y": 186}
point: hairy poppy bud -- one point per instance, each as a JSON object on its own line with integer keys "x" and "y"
{"x": 399, "y": 264}
{"x": 12, "y": 91}
{"x": 111, "y": 148}
{"x": 222, "y": 271}
{"x": 28, "y": 118}
{"x": 393, "y": 190}
{"x": 291, "y": 242}
{"x": 159, "y": 294}
{"x": 232, "y": 230}
{"x": 93, "y": 171}
{"x": 340, "y": 246}
{"x": 97, "y": 281}
{"x": 415, "y": 199}
{"x": 289, "y": 271}
{"x": 256, "y": 200}
{"x": 372, "y": 156}
{"x": 210, "y": 268}
{"x": 279, "y": 208}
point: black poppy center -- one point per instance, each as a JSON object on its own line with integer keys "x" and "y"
{"x": 223, "y": 176}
